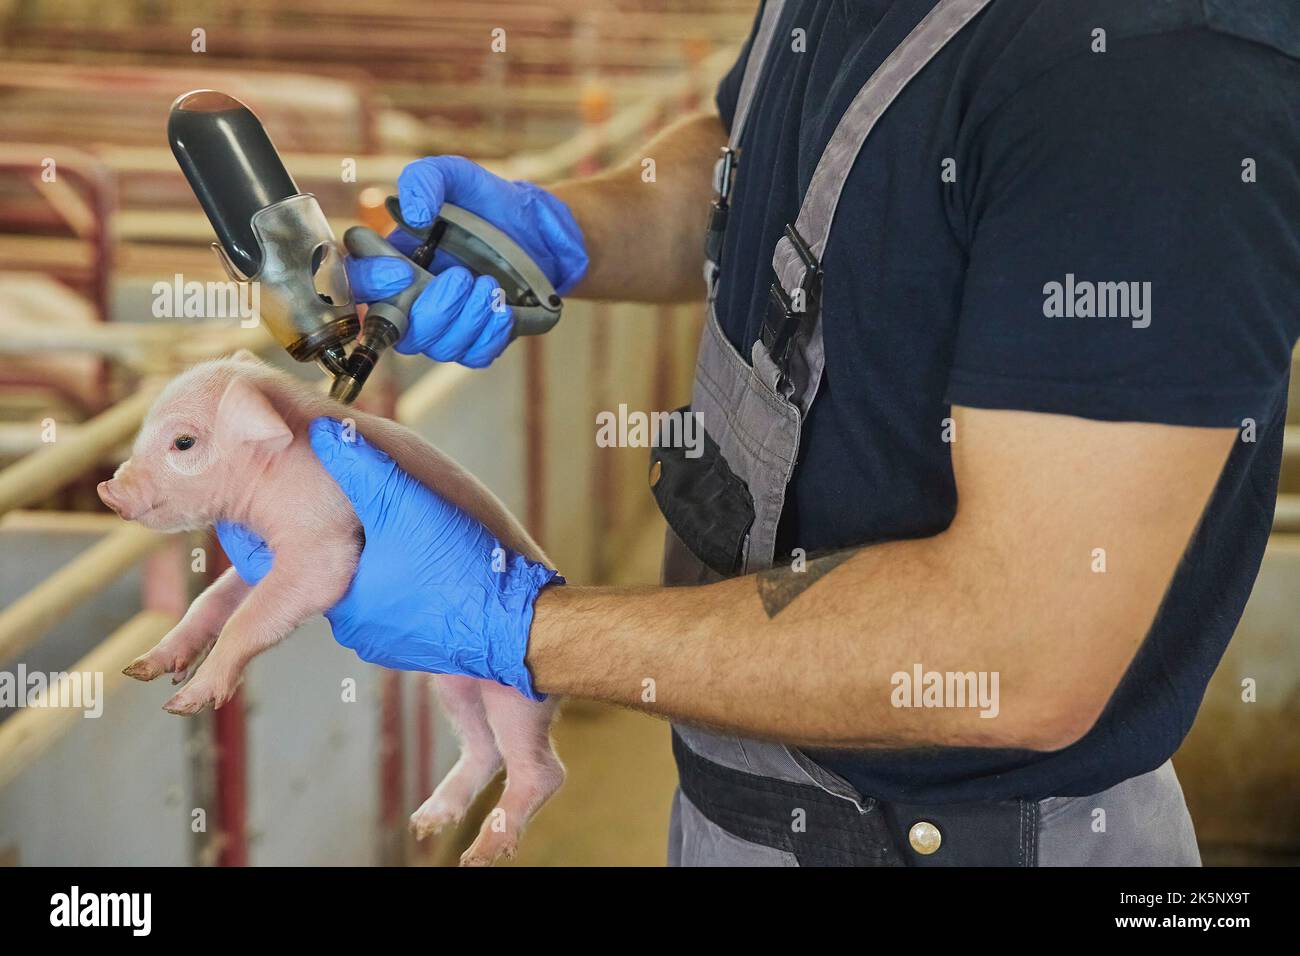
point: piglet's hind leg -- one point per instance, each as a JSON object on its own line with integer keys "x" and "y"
{"x": 533, "y": 772}
{"x": 462, "y": 701}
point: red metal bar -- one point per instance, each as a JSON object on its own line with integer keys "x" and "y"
{"x": 535, "y": 437}
{"x": 230, "y": 741}
{"x": 425, "y": 742}
{"x": 595, "y": 107}
{"x": 381, "y": 399}
{"x": 391, "y": 770}
{"x": 426, "y": 747}
{"x": 97, "y": 182}
{"x": 231, "y": 733}
{"x": 602, "y": 465}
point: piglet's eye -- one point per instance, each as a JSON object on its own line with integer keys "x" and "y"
{"x": 183, "y": 442}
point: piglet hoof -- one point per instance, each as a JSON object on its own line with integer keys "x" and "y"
{"x": 427, "y": 821}
{"x": 142, "y": 668}
{"x": 185, "y": 704}
{"x": 194, "y": 697}
{"x": 494, "y": 842}
{"x": 487, "y": 855}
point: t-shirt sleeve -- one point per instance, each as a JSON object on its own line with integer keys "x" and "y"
{"x": 1133, "y": 226}
{"x": 729, "y": 86}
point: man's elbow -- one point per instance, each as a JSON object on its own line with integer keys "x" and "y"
{"x": 1057, "y": 727}
{"x": 1057, "y": 717}
{"x": 1059, "y": 697}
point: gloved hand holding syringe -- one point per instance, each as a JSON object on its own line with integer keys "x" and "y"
{"x": 522, "y": 242}
{"x": 272, "y": 234}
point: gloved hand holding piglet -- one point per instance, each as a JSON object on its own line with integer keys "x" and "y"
{"x": 324, "y": 509}
{"x": 298, "y": 484}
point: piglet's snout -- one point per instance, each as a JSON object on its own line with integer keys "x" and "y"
{"x": 111, "y": 494}
{"x": 108, "y": 495}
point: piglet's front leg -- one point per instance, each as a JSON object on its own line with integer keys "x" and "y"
{"x": 298, "y": 586}
{"x": 180, "y": 651}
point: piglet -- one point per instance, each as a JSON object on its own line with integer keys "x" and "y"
{"x": 227, "y": 441}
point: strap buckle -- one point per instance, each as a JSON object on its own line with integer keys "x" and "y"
{"x": 786, "y": 312}
{"x": 724, "y": 175}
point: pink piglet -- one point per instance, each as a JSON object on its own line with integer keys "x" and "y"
{"x": 227, "y": 441}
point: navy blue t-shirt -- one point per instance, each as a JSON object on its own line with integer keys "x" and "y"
{"x": 1170, "y": 159}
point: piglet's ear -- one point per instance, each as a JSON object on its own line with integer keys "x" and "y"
{"x": 246, "y": 415}
{"x": 245, "y": 355}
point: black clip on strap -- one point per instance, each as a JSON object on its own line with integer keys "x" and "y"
{"x": 721, "y": 207}
{"x": 786, "y": 313}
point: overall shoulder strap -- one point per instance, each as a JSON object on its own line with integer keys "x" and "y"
{"x": 758, "y": 51}
{"x": 931, "y": 35}
{"x": 792, "y": 338}
{"x": 759, "y": 48}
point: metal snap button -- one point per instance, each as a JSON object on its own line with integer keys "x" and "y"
{"x": 924, "y": 837}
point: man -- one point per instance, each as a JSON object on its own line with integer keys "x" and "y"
{"x": 1003, "y": 304}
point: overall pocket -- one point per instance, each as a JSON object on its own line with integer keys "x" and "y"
{"x": 704, "y": 502}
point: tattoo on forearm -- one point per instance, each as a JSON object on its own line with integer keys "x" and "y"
{"x": 779, "y": 586}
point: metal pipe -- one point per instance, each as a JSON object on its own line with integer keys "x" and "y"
{"x": 112, "y": 338}
{"x": 45, "y": 471}
{"x": 69, "y": 522}
{"x": 136, "y": 343}
{"x": 26, "y": 735}
{"x": 23, "y": 438}
{"x": 24, "y": 621}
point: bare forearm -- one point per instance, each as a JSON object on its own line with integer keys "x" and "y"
{"x": 1048, "y": 578}
{"x": 644, "y": 226}
{"x": 806, "y": 656}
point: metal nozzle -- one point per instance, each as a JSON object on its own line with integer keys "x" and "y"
{"x": 348, "y": 383}
{"x": 377, "y": 335}
{"x": 345, "y": 389}
{"x": 334, "y": 359}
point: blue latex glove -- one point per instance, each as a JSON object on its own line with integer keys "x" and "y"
{"x": 426, "y": 595}
{"x": 453, "y": 320}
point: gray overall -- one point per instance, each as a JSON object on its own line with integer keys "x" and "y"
{"x": 749, "y": 802}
